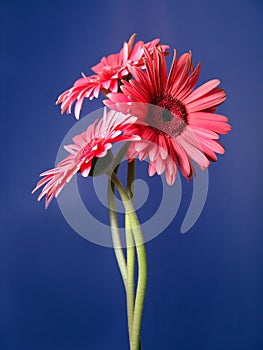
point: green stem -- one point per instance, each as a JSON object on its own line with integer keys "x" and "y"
{"x": 142, "y": 262}
{"x": 114, "y": 218}
{"x": 130, "y": 276}
{"x": 115, "y": 234}
{"x": 130, "y": 253}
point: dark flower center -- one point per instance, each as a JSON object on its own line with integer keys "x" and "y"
{"x": 168, "y": 116}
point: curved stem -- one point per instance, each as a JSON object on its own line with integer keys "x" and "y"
{"x": 126, "y": 272}
{"x": 130, "y": 275}
{"x": 115, "y": 234}
{"x": 130, "y": 252}
{"x": 142, "y": 261}
{"x": 114, "y": 218}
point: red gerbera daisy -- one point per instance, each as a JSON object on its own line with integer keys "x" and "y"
{"x": 109, "y": 72}
{"x": 178, "y": 125}
{"x": 92, "y": 144}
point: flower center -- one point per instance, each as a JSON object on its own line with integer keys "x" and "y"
{"x": 170, "y": 118}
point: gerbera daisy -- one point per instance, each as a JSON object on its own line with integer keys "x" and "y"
{"x": 92, "y": 144}
{"x": 109, "y": 73}
{"x": 178, "y": 125}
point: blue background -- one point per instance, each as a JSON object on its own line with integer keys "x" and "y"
{"x": 59, "y": 291}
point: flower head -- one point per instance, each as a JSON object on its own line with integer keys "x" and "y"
{"x": 108, "y": 74}
{"x": 91, "y": 144}
{"x": 176, "y": 123}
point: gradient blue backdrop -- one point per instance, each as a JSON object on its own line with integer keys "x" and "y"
{"x": 58, "y": 291}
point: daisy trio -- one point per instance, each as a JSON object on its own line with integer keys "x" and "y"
{"x": 159, "y": 116}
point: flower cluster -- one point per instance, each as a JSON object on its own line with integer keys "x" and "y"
{"x": 161, "y": 114}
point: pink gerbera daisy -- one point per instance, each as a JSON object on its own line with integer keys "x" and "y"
{"x": 92, "y": 144}
{"x": 177, "y": 125}
{"x": 109, "y": 73}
